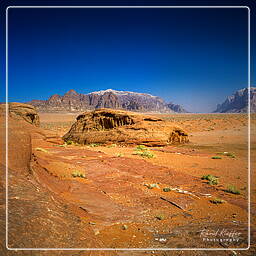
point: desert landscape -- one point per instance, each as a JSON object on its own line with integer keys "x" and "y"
{"x": 130, "y": 194}
{"x": 128, "y": 129}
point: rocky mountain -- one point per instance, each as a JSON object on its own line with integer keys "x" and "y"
{"x": 176, "y": 108}
{"x": 238, "y": 102}
{"x": 133, "y": 101}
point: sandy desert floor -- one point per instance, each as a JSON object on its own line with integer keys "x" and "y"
{"x": 122, "y": 197}
{"x": 67, "y": 195}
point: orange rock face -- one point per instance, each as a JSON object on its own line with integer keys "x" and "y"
{"x": 22, "y": 111}
{"x": 116, "y": 126}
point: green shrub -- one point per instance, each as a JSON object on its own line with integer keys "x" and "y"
{"x": 78, "y": 174}
{"x": 166, "y": 189}
{"x": 150, "y": 186}
{"x": 216, "y": 157}
{"x": 231, "y": 155}
{"x": 69, "y": 142}
{"x": 93, "y": 145}
{"x": 42, "y": 150}
{"x": 212, "y": 180}
{"x": 160, "y": 217}
{"x": 61, "y": 146}
{"x": 141, "y": 147}
{"x": 233, "y": 190}
{"x": 143, "y": 151}
{"x": 146, "y": 154}
{"x": 124, "y": 227}
{"x": 112, "y": 146}
{"x": 217, "y": 201}
{"x": 208, "y": 177}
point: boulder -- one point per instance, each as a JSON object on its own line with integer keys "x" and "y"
{"x": 118, "y": 126}
{"x": 21, "y": 111}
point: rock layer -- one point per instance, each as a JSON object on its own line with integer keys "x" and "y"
{"x": 22, "y": 111}
{"x": 37, "y": 217}
{"x": 117, "y": 126}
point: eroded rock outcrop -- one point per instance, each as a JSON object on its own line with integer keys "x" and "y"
{"x": 117, "y": 126}
{"x": 37, "y": 217}
{"x": 21, "y": 111}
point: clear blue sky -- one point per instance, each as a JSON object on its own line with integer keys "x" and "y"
{"x": 193, "y": 57}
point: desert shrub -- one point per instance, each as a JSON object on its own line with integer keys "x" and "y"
{"x": 69, "y": 142}
{"x": 216, "y": 157}
{"x": 124, "y": 227}
{"x": 160, "y": 217}
{"x": 112, "y": 146}
{"x": 143, "y": 151}
{"x": 119, "y": 155}
{"x": 166, "y": 189}
{"x": 212, "y": 180}
{"x": 217, "y": 201}
{"x": 141, "y": 147}
{"x": 146, "y": 154}
{"x": 78, "y": 174}
{"x": 42, "y": 150}
{"x": 61, "y": 146}
{"x": 233, "y": 190}
{"x": 93, "y": 145}
{"x": 208, "y": 177}
{"x": 150, "y": 186}
{"x": 229, "y": 154}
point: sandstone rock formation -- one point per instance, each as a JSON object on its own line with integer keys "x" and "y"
{"x": 238, "y": 102}
{"x": 22, "y": 111}
{"x": 117, "y": 126}
{"x": 132, "y": 101}
{"x": 37, "y": 217}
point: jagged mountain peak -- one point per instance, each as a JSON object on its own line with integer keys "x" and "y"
{"x": 238, "y": 102}
{"x": 71, "y": 92}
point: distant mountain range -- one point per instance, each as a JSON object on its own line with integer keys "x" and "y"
{"x": 238, "y": 102}
{"x": 133, "y": 101}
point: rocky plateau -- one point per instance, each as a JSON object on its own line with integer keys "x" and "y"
{"x": 78, "y": 102}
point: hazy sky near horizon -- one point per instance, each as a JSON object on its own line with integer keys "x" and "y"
{"x": 193, "y": 57}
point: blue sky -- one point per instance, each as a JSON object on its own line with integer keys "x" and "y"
{"x": 193, "y": 57}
